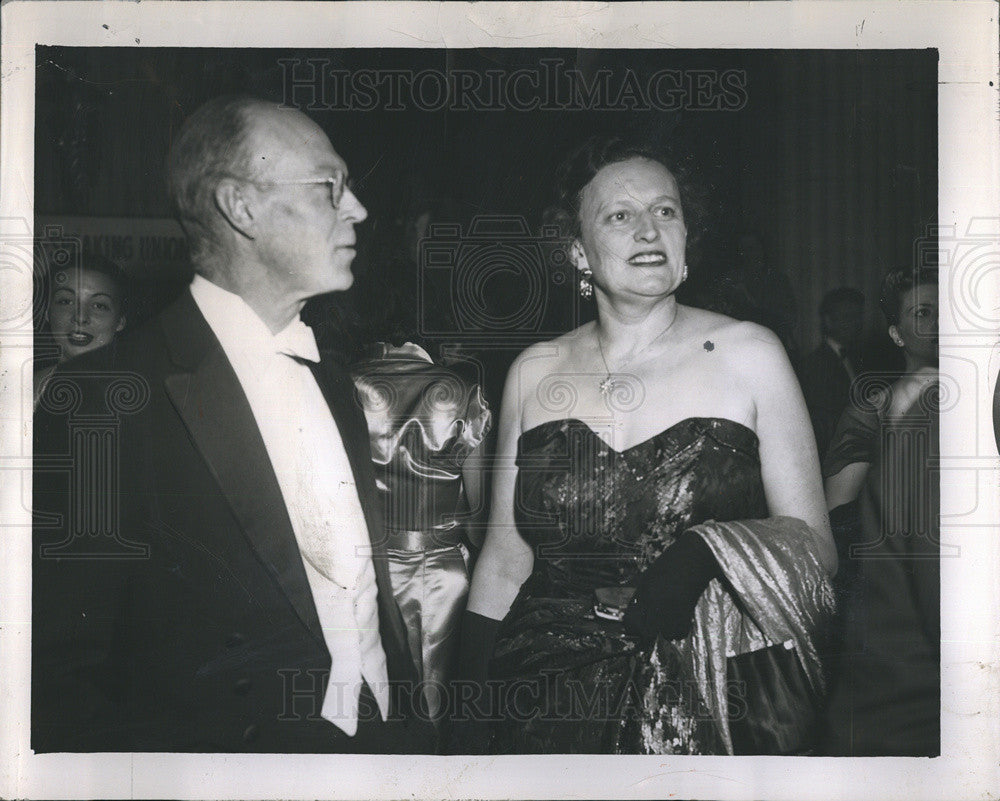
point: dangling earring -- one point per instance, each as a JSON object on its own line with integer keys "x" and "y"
{"x": 586, "y": 287}
{"x": 684, "y": 275}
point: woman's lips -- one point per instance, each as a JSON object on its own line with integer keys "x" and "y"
{"x": 79, "y": 338}
{"x": 649, "y": 258}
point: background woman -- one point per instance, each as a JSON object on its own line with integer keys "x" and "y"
{"x": 886, "y": 698}
{"x": 615, "y": 441}
{"x": 86, "y": 310}
{"x": 908, "y": 300}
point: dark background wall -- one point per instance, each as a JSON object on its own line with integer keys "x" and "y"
{"x": 819, "y": 168}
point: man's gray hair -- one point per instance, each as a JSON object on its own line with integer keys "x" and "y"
{"x": 211, "y": 145}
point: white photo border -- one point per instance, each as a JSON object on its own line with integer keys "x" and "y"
{"x": 965, "y": 35}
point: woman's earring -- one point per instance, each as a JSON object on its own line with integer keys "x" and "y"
{"x": 586, "y": 287}
{"x": 684, "y": 275}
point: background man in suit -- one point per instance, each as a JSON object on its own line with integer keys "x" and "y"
{"x": 828, "y": 371}
{"x": 218, "y": 582}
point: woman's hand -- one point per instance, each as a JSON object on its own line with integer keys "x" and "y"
{"x": 668, "y": 591}
{"x": 473, "y": 706}
{"x": 504, "y": 564}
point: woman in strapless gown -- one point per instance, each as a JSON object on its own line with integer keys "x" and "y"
{"x": 663, "y": 451}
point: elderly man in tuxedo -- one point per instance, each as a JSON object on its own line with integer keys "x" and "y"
{"x": 209, "y": 569}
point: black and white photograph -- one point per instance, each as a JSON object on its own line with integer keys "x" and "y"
{"x": 409, "y": 398}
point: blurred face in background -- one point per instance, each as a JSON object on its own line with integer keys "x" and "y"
{"x": 845, "y": 323}
{"x": 85, "y": 310}
{"x": 917, "y": 330}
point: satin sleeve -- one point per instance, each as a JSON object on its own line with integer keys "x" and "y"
{"x": 424, "y": 420}
{"x": 410, "y": 402}
{"x": 854, "y": 439}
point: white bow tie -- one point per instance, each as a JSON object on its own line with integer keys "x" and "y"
{"x": 297, "y": 340}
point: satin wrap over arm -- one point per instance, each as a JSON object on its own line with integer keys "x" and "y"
{"x": 777, "y": 591}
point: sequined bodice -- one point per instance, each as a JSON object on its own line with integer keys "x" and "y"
{"x": 597, "y": 516}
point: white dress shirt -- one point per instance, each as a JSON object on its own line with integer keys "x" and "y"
{"x": 318, "y": 487}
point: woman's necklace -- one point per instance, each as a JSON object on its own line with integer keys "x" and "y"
{"x": 608, "y": 384}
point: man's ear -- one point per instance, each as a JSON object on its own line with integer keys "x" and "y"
{"x": 895, "y": 337}
{"x": 232, "y": 203}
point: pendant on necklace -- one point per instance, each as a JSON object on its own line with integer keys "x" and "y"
{"x": 607, "y": 385}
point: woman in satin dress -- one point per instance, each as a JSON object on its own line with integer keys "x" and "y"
{"x": 426, "y": 424}
{"x": 624, "y": 447}
{"x": 908, "y": 300}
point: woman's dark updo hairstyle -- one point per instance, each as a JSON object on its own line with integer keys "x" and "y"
{"x": 898, "y": 283}
{"x": 598, "y": 152}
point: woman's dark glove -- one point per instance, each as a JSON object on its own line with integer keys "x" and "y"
{"x": 472, "y": 703}
{"x": 668, "y": 590}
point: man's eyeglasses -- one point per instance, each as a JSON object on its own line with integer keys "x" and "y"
{"x": 336, "y": 182}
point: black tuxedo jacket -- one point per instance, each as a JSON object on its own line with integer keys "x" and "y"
{"x": 171, "y": 610}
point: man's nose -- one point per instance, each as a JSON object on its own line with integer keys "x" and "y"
{"x": 351, "y": 208}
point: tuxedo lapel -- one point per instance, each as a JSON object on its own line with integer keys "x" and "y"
{"x": 208, "y": 397}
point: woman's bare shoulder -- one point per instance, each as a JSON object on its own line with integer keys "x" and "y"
{"x": 544, "y": 358}
{"x": 744, "y": 338}
{"x": 550, "y": 354}
{"x": 746, "y": 353}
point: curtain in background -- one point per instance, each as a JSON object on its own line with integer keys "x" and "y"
{"x": 843, "y": 171}
{"x": 831, "y": 163}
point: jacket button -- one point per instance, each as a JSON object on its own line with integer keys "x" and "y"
{"x": 250, "y": 733}
{"x": 235, "y": 639}
{"x": 242, "y": 686}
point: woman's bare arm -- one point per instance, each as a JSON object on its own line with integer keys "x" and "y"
{"x": 789, "y": 462}
{"x": 473, "y": 473}
{"x": 506, "y": 560}
{"x": 846, "y": 485}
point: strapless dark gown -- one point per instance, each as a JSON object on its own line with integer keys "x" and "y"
{"x": 577, "y": 683}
